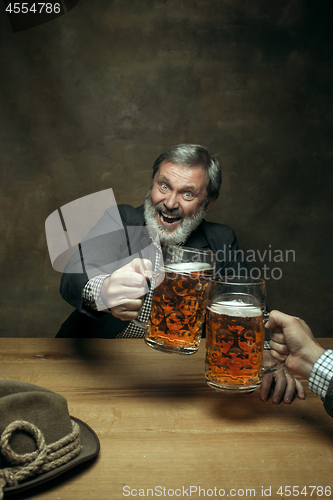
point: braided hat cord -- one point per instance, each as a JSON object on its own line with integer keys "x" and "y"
{"x": 44, "y": 459}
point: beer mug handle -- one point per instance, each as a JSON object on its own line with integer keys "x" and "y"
{"x": 278, "y": 364}
{"x": 137, "y": 322}
{"x": 141, "y": 324}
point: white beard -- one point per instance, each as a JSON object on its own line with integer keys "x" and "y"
{"x": 177, "y": 236}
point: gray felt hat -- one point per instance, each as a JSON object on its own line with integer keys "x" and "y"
{"x": 39, "y": 440}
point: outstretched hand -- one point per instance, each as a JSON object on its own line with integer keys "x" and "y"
{"x": 292, "y": 341}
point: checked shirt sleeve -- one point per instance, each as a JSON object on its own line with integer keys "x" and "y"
{"x": 321, "y": 374}
{"x": 92, "y": 293}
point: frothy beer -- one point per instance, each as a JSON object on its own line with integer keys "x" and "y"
{"x": 179, "y": 305}
{"x": 234, "y": 343}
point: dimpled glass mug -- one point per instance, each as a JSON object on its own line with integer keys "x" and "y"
{"x": 235, "y": 334}
{"x": 179, "y": 302}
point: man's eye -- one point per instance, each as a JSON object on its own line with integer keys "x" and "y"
{"x": 188, "y": 195}
{"x": 164, "y": 187}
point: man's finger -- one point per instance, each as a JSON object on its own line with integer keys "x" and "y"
{"x": 130, "y": 293}
{"x": 266, "y": 386}
{"x": 142, "y": 266}
{"x": 289, "y": 393}
{"x": 300, "y": 390}
{"x": 128, "y": 311}
{"x": 278, "y": 318}
{"x": 282, "y": 384}
{"x": 276, "y": 355}
{"x": 132, "y": 305}
{"x": 278, "y": 337}
{"x": 279, "y": 347}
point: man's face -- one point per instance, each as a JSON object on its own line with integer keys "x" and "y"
{"x": 175, "y": 206}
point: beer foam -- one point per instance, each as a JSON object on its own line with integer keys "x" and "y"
{"x": 235, "y": 308}
{"x": 187, "y": 267}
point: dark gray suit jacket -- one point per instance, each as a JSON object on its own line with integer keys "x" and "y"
{"x": 102, "y": 251}
{"x": 328, "y": 400}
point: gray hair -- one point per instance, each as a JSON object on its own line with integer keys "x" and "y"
{"x": 193, "y": 155}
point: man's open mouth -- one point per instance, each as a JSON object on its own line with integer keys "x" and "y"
{"x": 169, "y": 220}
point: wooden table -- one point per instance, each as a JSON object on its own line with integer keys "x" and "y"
{"x": 160, "y": 425}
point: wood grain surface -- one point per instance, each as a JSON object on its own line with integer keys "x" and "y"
{"x": 161, "y": 426}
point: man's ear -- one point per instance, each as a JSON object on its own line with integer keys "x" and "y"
{"x": 209, "y": 204}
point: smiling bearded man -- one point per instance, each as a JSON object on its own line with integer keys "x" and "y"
{"x": 186, "y": 181}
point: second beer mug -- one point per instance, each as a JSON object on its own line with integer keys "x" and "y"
{"x": 235, "y": 335}
{"x": 179, "y": 302}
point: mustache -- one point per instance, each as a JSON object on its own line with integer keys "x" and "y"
{"x": 175, "y": 212}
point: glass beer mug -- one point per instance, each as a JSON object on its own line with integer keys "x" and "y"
{"x": 179, "y": 301}
{"x": 235, "y": 335}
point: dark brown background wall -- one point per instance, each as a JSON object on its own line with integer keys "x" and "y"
{"x": 89, "y": 100}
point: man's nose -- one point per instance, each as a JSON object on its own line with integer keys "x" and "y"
{"x": 171, "y": 201}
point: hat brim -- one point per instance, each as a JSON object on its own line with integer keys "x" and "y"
{"x": 90, "y": 447}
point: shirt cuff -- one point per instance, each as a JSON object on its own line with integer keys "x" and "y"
{"x": 321, "y": 374}
{"x": 92, "y": 293}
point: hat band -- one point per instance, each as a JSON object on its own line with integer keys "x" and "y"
{"x": 43, "y": 459}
